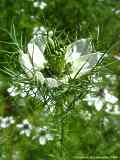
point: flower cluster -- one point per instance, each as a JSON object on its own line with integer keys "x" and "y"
{"x": 41, "y": 134}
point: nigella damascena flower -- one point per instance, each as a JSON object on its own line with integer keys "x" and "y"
{"x": 6, "y": 121}
{"x": 43, "y": 135}
{"x": 101, "y": 98}
{"x": 25, "y": 127}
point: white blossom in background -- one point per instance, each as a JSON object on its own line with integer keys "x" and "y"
{"x": 40, "y": 5}
{"x": 101, "y": 98}
{"x": 25, "y": 128}
{"x": 116, "y": 11}
{"x": 13, "y": 91}
{"x": 81, "y": 57}
{"x": 43, "y": 135}
{"x": 6, "y": 121}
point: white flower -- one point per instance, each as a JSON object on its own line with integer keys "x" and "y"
{"x": 6, "y": 121}
{"x": 25, "y": 127}
{"x": 102, "y": 97}
{"x": 40, "y": 5}
{"x": 43, "y": 135}
{"x": 79, "y": 54}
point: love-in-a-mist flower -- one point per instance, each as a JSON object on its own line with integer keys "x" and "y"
{"x": 25, "y": 127}
{"x": 43, "y": 135}
{"x": 6, "y": 121}
{"x": 40, "y": 5}
{"x": 101, "y": 98}
{"x": 81, "y": 57}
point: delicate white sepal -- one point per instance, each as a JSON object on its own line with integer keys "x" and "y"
{"x": 36, "y": 55}
{"x": 79, "y": 54}
{"x": 25, "y": 62}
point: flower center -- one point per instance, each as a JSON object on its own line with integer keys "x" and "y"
{"x": 26, "y": 126}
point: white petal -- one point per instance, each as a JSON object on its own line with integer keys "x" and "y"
{"x": 26, "y": 62}
{"x": 19, "y": 125}
{"x": 12, "y": 121}
{"x": 98, "y": 104}
{"x": 27, "y": 132}
{"x": 42, "y": 5}
{"x": 36, "y": 55}
{"x": 25, "y": 121}
{"x": 49, "y": 137}
{"x": 79, "y": 55}
{"x": 3, "y": 125}
{"x": 42, "y": 140}
{"x": 77, "y": 49}
{"x": 22, "y": 132}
